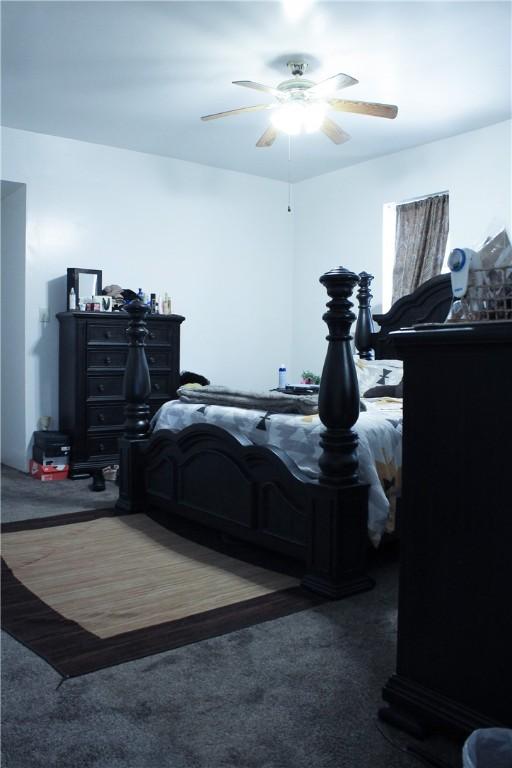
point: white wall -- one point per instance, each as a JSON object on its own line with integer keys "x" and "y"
{"x": 219, "y": 242}
{"x": 338, "y": 216}
{"x": 223, "y": 244}
{"x": 13, "y": 324}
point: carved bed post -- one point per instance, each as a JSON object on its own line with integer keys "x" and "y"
{"x": 338, "y": 400}
{"x": 336, "y": 560}
{"x": 137, "y": 389}
{"x": 364, "y": 326}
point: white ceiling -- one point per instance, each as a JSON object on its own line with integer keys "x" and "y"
{"x": 139, "y": 75}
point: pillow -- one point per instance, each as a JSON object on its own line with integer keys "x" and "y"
{"x": 378, "y": 373}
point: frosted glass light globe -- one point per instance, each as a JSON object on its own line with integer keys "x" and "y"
{"x": 298, "y": 116}
{"x": 313, "y": 118}
{"x": 289, "y": 118}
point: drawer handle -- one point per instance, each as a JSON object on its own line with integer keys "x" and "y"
{"x": 108, "y": 360}
{"x": 101, "y": 417}
{"x": 101, "y": 387}
{"x": 107, "y": 335}
{"x": 156, "y": 387}
{"x": 101, "y": 446}
{"x": 152, "y": 359}
{"x": 151, "y": 335}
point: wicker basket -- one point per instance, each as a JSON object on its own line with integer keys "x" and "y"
{"x": 489, "y": 295}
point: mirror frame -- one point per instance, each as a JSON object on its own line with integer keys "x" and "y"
{"x": 74, "y": 280}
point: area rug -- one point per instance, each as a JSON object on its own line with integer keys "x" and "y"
{"x": 91, "y": 590}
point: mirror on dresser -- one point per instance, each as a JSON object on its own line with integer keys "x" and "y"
{"x": 86, "y": 283}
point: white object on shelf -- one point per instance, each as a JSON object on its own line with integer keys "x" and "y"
{"x": 488, "y": 747}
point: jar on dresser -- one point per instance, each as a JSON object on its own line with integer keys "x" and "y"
{"x": 92, "y": 358}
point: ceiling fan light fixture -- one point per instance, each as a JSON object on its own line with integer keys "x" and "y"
{"x": 296, "y": 9}
{"x": 288, "y": 118}
{"x": 301, "y": 106}
{"x": 314, "y": 115}
{"x": 296, "y": 117}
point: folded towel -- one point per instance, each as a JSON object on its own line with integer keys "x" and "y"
{"x": 271, "y": 402}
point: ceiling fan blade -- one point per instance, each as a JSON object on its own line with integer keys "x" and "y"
{"x": 333, "y": 131}
{"x": 238, "y": 111}
{"x": 268, "y": 138}
{"x": 365, "y": 108}
{"x": 334, "y": 83}
{"x": 257, "y": 87}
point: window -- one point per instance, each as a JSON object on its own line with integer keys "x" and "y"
{"x": 415, "y": 244}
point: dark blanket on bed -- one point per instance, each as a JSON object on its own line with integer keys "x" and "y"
{"x": 271, "y": 402}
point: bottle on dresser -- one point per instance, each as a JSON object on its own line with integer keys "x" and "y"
{"x": 166, "y": 305}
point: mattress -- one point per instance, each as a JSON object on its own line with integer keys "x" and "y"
{"x": 379, "y": 430}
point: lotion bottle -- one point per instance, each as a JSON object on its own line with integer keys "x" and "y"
{"x": 282, "y": 377}
{"x": 72, "y": 300}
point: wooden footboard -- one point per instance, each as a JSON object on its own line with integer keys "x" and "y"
{"x": 253, "y": 493}
{"x": 258, "y": 495}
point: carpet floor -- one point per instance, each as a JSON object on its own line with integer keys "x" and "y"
{"x": 295, "y": 692}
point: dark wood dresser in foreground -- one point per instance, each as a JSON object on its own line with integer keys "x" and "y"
{"x": 454, "y": 656}
{"x": 92, "y": 359}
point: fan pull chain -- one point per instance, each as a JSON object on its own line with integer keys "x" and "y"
{"x": 289, "y": 174}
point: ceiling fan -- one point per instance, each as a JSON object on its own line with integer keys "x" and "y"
{"x": 301, "y": 105}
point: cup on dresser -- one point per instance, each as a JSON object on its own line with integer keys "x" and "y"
{"x": 105, "y": 303}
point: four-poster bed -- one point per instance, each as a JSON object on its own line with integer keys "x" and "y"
{"x": 257, "y": 494}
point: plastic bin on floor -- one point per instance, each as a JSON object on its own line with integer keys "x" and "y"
{"x": 488, "y": 748}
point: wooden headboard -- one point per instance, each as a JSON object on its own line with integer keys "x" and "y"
{"x": 429, "y": 303}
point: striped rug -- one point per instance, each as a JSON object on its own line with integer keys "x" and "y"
{"x": 91, "y": 590}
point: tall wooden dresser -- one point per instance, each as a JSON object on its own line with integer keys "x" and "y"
{"x": 454, "y": 656}
{"x": 92, "y": 358}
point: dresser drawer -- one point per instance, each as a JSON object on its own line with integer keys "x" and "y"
{"x": 160, "y": 386}
{"x": 160, "y": 333}
{"x": 104, "y": 386}
{"x": 107, "y": 332}
{"x": 158, "y": 358}
{"x": 99, "y": 387}
{"x": 112, "y": 416}
{"x": 116, "y": 358}
{"x": 106, "y": 358}
{"x": 103, "y": 445}
{"x": 105, "y": 415}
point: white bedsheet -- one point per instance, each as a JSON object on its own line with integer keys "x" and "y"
{"x": 380, "y": 444}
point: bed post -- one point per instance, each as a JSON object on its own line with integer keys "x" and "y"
{"x": 137, "y": 389}
{"x": 338, "y": 400}
{"x": 364, "y": 326}
{"x": 336, "y": 562}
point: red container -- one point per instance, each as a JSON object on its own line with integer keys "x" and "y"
{"x": 48, "y": 473}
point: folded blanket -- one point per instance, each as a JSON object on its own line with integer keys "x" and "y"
{"x": 271, "y": 402}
